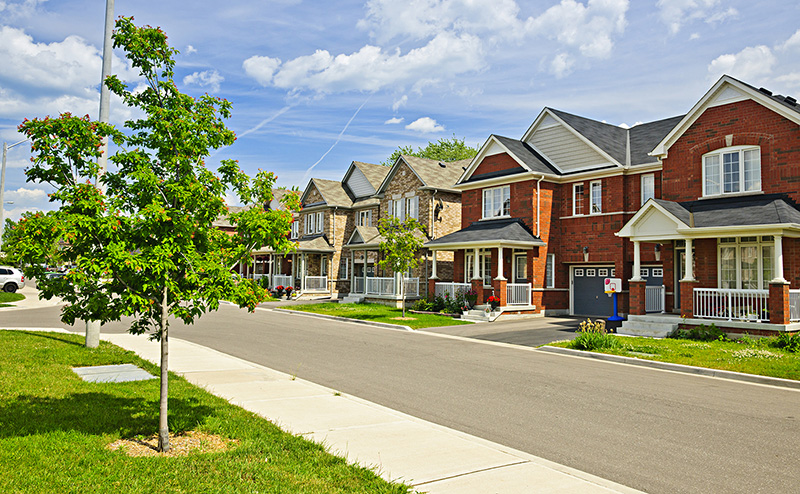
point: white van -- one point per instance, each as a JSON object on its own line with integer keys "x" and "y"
{"x": 11, "y": 279}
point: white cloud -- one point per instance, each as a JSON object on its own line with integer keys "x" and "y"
{"x": 752, "y": 64}
{"x": 14, "y": 214}
{"x": 190, "y": 49}
{"x": 793, "y": 43}
{"x": 26, "y": 195}
{"x": 791, "y": 80}
{"x": 561, "y": 65}
{"x": 26, "y": 8}
{"x": 676, "y": 13}
{"x": 425, "y": 125}
{"x": 394, "y": 120}
{"x": 208, "y": 78}
{"x": 400, "y": 103}
{"x": 694, "y": 36}
{"x": 261, "y": 68}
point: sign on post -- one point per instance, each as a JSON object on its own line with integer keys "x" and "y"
{"x": 613, "y": 285}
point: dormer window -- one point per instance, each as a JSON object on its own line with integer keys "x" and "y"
{"x": 497, "y": 202}
{"x": 731, "y": 171}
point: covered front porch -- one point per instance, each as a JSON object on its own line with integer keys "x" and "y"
{"x": 313, "y": 265}
{"x": 724, "y": 261}
{"x": 496, "y": 260}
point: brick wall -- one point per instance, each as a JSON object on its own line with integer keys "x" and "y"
{"x": 496, "y": 163}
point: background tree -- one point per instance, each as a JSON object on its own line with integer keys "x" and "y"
{"x": 147, "y": 248}
{"x": 37, "y": 234}
{"x": 401, "y": 243}
{"x": 452, "y": 149}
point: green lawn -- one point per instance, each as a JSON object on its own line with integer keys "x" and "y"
{"x": 380, "y": 313}
{"x": 6, "y": 297}
{"x": 54, "y": 429}
{"x": 751, "y": 356}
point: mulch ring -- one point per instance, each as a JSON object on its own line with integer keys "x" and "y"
{"x": 180, "y": 444}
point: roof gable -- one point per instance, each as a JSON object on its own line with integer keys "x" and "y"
{"x": 728, "y": 90}
{"x": 432, "y": 174}
{"x": 654, "y": 221}
{"x": 331, "y": 192}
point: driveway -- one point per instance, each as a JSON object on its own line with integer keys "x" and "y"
{"x": 531, "y": 332}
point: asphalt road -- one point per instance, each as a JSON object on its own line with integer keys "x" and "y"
{"x": 658, "y": 431}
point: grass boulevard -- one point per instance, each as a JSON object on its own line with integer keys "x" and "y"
{"x": 380, "y": 313}
{"x": 56, "y": 431}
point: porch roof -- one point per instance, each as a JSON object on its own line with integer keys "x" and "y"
{"x": 506, "y": 232}
{"x": 314, "y": 243}
{"x": 761, "y": 214}
{"x": 363, "y": 237}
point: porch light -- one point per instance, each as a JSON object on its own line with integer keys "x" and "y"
{"x": 658, "y": 252}
{"x": 586, "y": 254}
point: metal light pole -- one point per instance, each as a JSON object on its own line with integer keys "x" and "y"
{"x": 93, "y": 327}
{"x": 6, "y": 147}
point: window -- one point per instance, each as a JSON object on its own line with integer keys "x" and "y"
{"x": 320, "y": 222}
{"x": 323, "y": 266}
{"x": 396, "y": 209}
{"x": 658, "y": 272}
{"x": 310, "y": 224}
{"x": 603, "y": 273}
{"x": 497, "y": 202}
{"x": 578, "y": 200}
{"x": 412, "y": 207}
{"x": 315, "y": 223}
{"x": 485, "y": 266}
{"x": 648, "y": 187}
{"x": 590, "y": 272}
{"x": 295, "y": 229}
{"x": 344, "y": 264}
{"x": 613, "y": 272}
{"x": 644, "y": 272}
{"x": 578, "y": 272}
{"x": 520, "y": 268}
{"x": 596, "y": 198}
{"x": 745, "y": 262}
{"x": 732, "y": 170}
{"x": 550, "y": 271}
{"x": 364, "y": 218}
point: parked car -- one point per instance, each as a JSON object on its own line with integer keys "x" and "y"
{"x": 11, "y": 279}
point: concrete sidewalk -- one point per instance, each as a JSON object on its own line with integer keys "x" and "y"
{"x": 31, "y": 300}
{"x": 397, "y": 446}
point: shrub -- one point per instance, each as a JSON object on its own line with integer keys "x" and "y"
{"x": 438, "y": 303}
{"x": 593, "y": 336}
{"x": 788, "y": 342}
{"x": 701, "y": 333}
{"x": 422, "y": 305}
{"x": 264, "y": 282}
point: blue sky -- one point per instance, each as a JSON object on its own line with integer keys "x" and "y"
{"x": 316, "y": 85}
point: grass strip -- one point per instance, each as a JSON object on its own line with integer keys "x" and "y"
{"x": 380, "y": 313}
{"x": 747, "y": 355}
{"x": 54, "y": 428}
{"x": 6, "y": 298}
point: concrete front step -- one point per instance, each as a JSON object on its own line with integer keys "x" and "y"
{"x": 652, "y": 326}
{"x": 353, "y": 299}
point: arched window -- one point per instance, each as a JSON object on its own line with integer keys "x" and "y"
{"x": 732, "y": 170}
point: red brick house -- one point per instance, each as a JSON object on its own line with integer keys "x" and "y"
{"x": 726, "y": 220}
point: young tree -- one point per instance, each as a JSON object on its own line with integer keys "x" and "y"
{"x": 147, "y": 248}
{"x": 452, "y": 149}
{"x": 36, "y": 234}
{"x": 401, "y": 242}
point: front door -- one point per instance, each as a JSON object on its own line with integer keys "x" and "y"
{"x": 521, "y": 268}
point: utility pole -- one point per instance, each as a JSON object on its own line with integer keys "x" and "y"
{"x": 6, "y": 147}
{"x": 93, "y": 327}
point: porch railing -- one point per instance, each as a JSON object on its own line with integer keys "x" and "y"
{"x": 281, "y": 280}
{"x": 316, "y": 283}
{"x": 380, "y": 286}
{"x": 411, "y": 287}
{"x": 518, "y": 293}
{"x": 794, "y": 305}
{"x": 654, "y": 298}
{"x": 358, "y": 285}
{"x": 730, "y": 304}
{"x": 451, "y": 288}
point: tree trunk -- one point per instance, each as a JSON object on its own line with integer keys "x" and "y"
{"x": 163, "y": 426}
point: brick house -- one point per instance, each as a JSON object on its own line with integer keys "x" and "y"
{"x": 539, "y": 215}
{"x": 413, "y": 187}
{"x": 726, "y": 220}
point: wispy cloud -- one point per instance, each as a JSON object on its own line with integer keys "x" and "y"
{"x": 394, "y": 120}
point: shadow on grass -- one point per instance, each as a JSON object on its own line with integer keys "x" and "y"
{"x": 59, "y": 337}
{"x": 95, "y": 413}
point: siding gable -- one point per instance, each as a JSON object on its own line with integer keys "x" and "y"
{"x": 565, "y": 149}
{"x": 358, "y": 184}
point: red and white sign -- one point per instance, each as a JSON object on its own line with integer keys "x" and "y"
{"x": 613, "y": 285}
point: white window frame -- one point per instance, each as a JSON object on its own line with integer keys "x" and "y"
{"x": 578, "y": 272}
{"x": 412, "y": 203}
{"x": 517, "y": 257}
{"x": 760, "y": 243}
{"x": 591, "y": 272}
{"x": 742, "y": 182}
{"x": 575, "y": 201}
{"x": 397, "y": 209}
{"x": 504, "y": 193}
{"x": 344, "y": 262}
{"x": 658, "y": 272}
{"x": 320, "y": 222}
{"x": 310, "y": 223}
{"x": 596, "y": 202}
{"x": 648, "y": 187}
{"x": 644, "y": 272}
{"x": 550, "y": 271}
{"x": 485, "y": 266}
{"x": 365, "y": 218}
{"x": 295, "y": 230}
{"x": 603, "y": 273}
{"x": 323, "y": 265}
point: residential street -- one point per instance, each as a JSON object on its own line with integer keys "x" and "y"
{"x": 658, "y": 431}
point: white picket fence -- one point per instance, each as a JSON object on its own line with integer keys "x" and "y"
{"x": 518, "y": 294}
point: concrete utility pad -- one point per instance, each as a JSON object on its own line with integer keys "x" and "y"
{"x": 113, "y": 373}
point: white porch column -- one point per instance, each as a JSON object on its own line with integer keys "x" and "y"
{"x": 779, "y": 260}
{"x": 364, "y": 271}
{"x": 500, "y": 264}
{"x": 476, "y": 270}
{"x": 637, "y": 261}
{"x": 303, "y": 272}
{"x": 353, "y": 270}
{"x": 433, "y": 266}
{"x": 689, "y": 265}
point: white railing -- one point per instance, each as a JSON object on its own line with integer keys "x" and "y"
{"x": 794, "y": 305}
{"x": 730, "y": 304}
{"x": 281, "y": 280}
{"x": 654, "y": 298}
{"x": 257, "y": 277}
{"x": 451, "y": 289}
{"x": 411, "y": 287}
{"x": 380, "y": 286}
{"x": 316, "y": 283}
{"x": 358, "y": 285}
{"x": 518, "y": 294}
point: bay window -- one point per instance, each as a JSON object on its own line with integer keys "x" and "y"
{"x": 746, "y": 262}
{"x": 497, "y": 202}
{"x": 732, "y": 170}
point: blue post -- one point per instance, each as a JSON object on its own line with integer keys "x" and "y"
{"x": 616, "y": 316}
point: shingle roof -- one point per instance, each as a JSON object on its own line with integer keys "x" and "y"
{"x": 332, "y": 192}
{"x": 527, "y": 155}
{"x": 436, "y": 174}
{"x": 787, "y": 101}
{"x": 645, "y": 137}
{"x": 767, "y": 209}
{"x": 374, "y": 173}
{"x": 502, "y": 230}
{"x": 367, "y": 235}
{"x": 315, "y": 243}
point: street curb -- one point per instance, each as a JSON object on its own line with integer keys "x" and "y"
{"x": 347, "y": 319}
{"x": 686, "y": 369}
